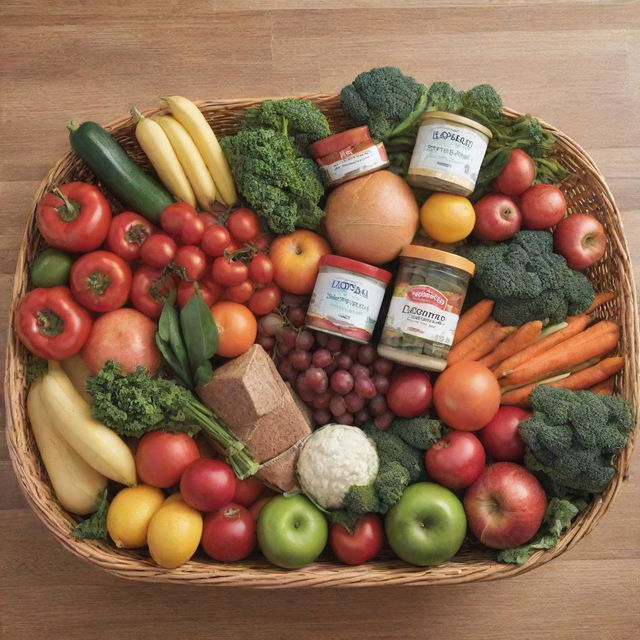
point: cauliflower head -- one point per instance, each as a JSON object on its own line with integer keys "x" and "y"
{"x": 333, "y": 459}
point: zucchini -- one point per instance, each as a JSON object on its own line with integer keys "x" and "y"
{"x": 117, "y": 171}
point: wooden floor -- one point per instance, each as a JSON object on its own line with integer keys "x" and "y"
{"x": 574, "y": 63}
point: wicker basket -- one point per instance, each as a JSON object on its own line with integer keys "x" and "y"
{"x": 586, "y": 191}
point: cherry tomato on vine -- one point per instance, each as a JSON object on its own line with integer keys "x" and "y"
{"x": 265, "y": 300}
{"x": 127, "y": 233}
{"x": 158, "y": 250}
{"x": 228, "y": 272}
{"x": 243, "y": 224}
{"x": 192, "y": 231}
{"x": 149, "y": 290}
{"x": 181, "y": 221}
{"x": 192, "y": 260}
{"x": 208, "y": 218}
{"x": 261, "y": 269}
{"x": 209, "y": 290}
{"x": 215, "y": 240}
{"x": 239, "y": 292}
{"x": 100, "y": 281}
{"x": 263, "y": 241}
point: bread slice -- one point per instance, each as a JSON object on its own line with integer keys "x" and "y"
{"x": 244, "y": 389}
{"x": 277, "y": 431}
{"x": 279, "y": 473}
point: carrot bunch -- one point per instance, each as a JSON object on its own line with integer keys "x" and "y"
{"x": 569, "y": 355}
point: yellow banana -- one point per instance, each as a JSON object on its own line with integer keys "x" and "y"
{"x": 190, "y": 159}
{"x": 156, "y": 145}
{"x": 200, "y": 130}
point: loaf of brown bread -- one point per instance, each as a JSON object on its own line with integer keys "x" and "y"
{"x": 280, "y": 472}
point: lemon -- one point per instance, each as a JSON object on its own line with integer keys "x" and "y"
{"x": 174, "y": 534}
{"x": 447, "y": 218}
{"x": 130, "y": 513}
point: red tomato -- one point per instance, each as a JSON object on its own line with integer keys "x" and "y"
{"x": 256, "y": 507}
{"x": 126, "y": 336}
{"x": 261, "y": 269}
{"x": 243, "y": 224}
{"x": 362, "y": 545}
{"x": 207, "y": 484}
{"x": 240, "y": 292}
{"x": 158, "y": 250}
{"x": 466, "y": 396}
{"x": 501, "y": 437}
{"x": 263, "y": 241}
{"x": 542, "y": 206}
{"x": 237, "y": 328}
{"x": 456, "y": 460}
{"x": 517, "y": 175}
{"x": 215, "y": 240}
{"x": 150, "y": 288}
{"x": 209, "y": 290}
{"x": 127, "y": 232}
{"x": 248, "y": 491}
{"x": 228, "y": 273}
{"x": 162, "y": 457}
{"x": 173, "y": 217}
{"x": 100, "y": 281}
{"x": 192, "y": 231}
{"x": 208, "y": 218}
{"x": 75, "y": 217}
{"x": 409, "y": 393}
{"x": 192, "y": 260}
{"x": 229, "y": 534}
{"x": 265, "y": 299}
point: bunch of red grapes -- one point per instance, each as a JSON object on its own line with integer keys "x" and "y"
{"x": 340, "y": 380}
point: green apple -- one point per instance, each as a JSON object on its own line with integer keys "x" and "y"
{"x": 427, "y": 525}
{"x": 292, "y": 532}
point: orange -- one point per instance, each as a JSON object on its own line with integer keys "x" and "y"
{"x": 447, "y": 218}
{"x": 237, "y": 328}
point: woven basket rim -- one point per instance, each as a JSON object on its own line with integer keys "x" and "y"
{"x": 131, "y": 566}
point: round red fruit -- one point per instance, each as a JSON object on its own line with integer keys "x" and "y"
{"x": 158, "y": 250}
{"x": 162, "y": 457}
{"x": 247, "y": 491}
{"x": 497, "y": 218}
{"x": 209, "y": 290}
{"x": 240, "y": 292}
{"x": 227, "y": 272}
{"x": 517, "y": 175}
{"x": 150, "y": 289}
{"x": 456, "y": 460}
{"x": 243, "y": 224}
{"x": 127, "y": 233}
{"x": 174, "y": 217}
{"x": 360, "y": 546}
{"x": 207, "y": 484}
{"x": 261, "y": 269}
{"x": 215, "y": 240}
{"x": 409, "y": 393}
{"x": 580, "y": 239}
{"x": 229, "y": 534}
{"x": 501, "y": 437}
{"x": 542, "y": 206}
{"x": 192, "y": 261}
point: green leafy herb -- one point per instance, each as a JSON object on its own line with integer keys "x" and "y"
{"x": 35, "y": 368}
{"x": 200, "y": 335}
{"x": 95, "y": 526}
{"x": 557, "y": 519}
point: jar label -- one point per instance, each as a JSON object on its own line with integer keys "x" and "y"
{"x": 346, "y": 300}
{"x": 447, "y": 148}
{"x": 422, "y": 311}
{"x": 353, "y": 164}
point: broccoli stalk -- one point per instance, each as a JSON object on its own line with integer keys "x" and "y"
{"x": 135, "y": 403}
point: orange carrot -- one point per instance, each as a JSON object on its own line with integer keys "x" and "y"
{"x": 479, "y": 342}
{"x": 518, "y": 340}
{"x": 471, "y": 319}
{"x": 606, "y": 387}
{"x": 575, "y": 325}
{"x": 595, "y": 341}
{"x": 600, "y": 299}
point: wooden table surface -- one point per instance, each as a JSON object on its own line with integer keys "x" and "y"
{"x": 573, "y": 63}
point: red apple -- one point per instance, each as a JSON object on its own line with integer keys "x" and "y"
{"x": 295, "y": 260}
{"x": 517, "y": 175}
{"x": 581, "y": 239}
{"x": 505, "y": 505}
{"x": 542, "y": 206}
{"x": 497, "y": 218}
{"x": 501, "y": 438}
{"x": 456, "y": 460}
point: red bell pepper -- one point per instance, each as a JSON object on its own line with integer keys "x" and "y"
{"x": 75, "y": 217}
{"x": 51, "y": 324}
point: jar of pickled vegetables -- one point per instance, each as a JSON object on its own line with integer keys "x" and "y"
{"x": 423, "y": 313}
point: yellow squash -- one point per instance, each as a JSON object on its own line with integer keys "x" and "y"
{"x": 190, "y": 159}
{"x": 192, "y": 119}
{"x": 74, "y": 482}
{"x": 158, "y": 149}
{"x": 70, "y": 414}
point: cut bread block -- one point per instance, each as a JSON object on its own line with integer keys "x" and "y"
{"x": 277, "y": 431}
{"x": 244, "y": 389}
{"x": 280, "y": 472}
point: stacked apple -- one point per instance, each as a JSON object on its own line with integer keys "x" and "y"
{"x": 580, "y": 238}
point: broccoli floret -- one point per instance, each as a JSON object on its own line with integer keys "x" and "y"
{"x": 384, "y": 99}
{"x": 572, "y": 437}
{"x": 305, "y": 122}
{"x": 441, "y": 96}
{"x": 392, "y": 448}
{"x": 361, "y": 499}
{"x": 485, "y": 99}
{"x": 281, "y": 186}
{"x": 419, "y": 433}
{"x": 527, "y": 280}
{"x": 391, "y": 481}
